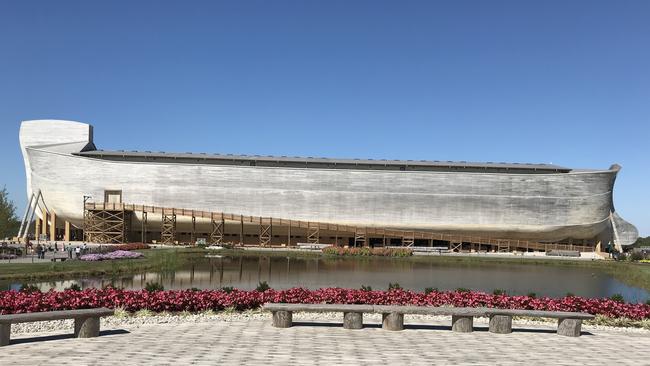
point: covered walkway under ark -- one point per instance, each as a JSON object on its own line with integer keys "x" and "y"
{"x": 121, "y": 222}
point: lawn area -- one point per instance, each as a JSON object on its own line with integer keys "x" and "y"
{"x": 154, "y": 259}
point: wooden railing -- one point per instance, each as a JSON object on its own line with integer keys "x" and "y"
{"x": 369, "y": 231}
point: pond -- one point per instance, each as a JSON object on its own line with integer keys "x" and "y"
{"x": 280, "y": 272}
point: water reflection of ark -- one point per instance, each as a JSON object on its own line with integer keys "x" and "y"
{"x": 246, "y": 272}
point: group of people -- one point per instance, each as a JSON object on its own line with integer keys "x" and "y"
{"x": 75, "y": 251}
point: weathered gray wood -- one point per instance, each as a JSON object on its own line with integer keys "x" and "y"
{"x": 86, "y": 327}
{"x": 352, "y": 320}
{"x": 569, "y": 327}
{"x": 282, "y": 319}
{"x": 443, "y": 196}
{"x": 540, "y": 313}
{"x": 5, "y": 334}
{"x": 501, "y": 324}
{"x": 463, "y": 324}
{"x": 430, "y": 310}
{"x": 392, "y": 321}
{"x": 318, "y": 308}
{"x": 55, "y": 315}
{"x": 462, "y": 318}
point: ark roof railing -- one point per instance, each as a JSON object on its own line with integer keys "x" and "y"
{"x": 321, "y": 163}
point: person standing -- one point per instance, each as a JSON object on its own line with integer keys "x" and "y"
{"x": 77, "y": 252}
{"x": 69, "y": 251}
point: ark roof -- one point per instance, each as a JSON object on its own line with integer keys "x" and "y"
{"x": 322, "y": 163}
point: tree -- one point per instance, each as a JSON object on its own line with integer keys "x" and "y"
{"x": 642, "y": 242}
{"x": 9, "y": 223}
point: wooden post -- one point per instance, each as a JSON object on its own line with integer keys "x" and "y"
{"x": 37, "y": 228}
{"x": 66, "y": 234}
{"x": 336, "y": 237}
{"x": 144, "y": 227}
{"x": 44, "y": 226}
{"x": 193, "y": 239}
{"x": 289, "y": 235}
{"x": 241, "y": 230}
{"x": 53, "y": 226}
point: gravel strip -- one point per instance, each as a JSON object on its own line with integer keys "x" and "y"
{"x": 126, "y": 320}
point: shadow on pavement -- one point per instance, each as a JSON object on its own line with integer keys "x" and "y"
{"x": 55, "y": 337}
{"x": 430, "y": 327}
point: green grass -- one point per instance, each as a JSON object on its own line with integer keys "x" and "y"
{"x": 154, "y": 259}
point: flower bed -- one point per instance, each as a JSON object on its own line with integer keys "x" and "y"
{"x": 131, "y": 246}
{"x": 118, "y": 254}
{"x": 366, "y": 252}
{"x": 193, "y": 301}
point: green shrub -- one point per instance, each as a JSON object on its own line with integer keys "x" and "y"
{"x": 227, "y": 289}
{"x": 153, "y": 287}
{"x": 532, "y": 295}
{"x": 636, "y": 256}
{"x": 394, "y": 286}
{"x": 498, "y": 292}
{"x": 366, "y": 288}
{"x": 29, "y": 288}
{"x": 617, "y": 298}
{"x": 462, "y": 289}
{"x": 74, "y": 287}
{"x": 569, "y": 294}
{"x": 367, "y": 252}
{"x": 195, "y": 289}
{"x": 647, "y": 302}
{"x": 263, "y": 286}
{"x": 429, "y": 290}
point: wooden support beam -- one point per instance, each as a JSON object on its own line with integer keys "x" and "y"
{"x": 37, "y": 228}
{"x": 218, "y": 226}
{"x": 193, "y": 234}
{"x": 53, "y": 226}
{"x": 66, "y": 231}
{"x": 289, "y": 234}
{"x": 360, "y": 237}
{"x": 241, "y": 230}
{"x": 168, "y": 230}
{"x": 144, "y": 226}
{"x": 313, "y": 233}
{"x": 44, "y": 226}
{"x": 266, "y": 231}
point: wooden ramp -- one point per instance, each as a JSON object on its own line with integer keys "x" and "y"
{"x": 112, "y": 231}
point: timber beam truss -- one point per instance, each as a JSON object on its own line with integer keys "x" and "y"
{"x": 106, "y": 225}
{"x": 109, "y": 222}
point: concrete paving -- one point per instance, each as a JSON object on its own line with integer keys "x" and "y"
{"x": 256, "y": 342}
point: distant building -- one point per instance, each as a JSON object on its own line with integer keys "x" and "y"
{"x": 539, "y": 203}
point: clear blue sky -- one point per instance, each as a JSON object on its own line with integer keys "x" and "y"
{"x": 566, "y": 82}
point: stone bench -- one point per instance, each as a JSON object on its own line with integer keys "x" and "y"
{"x": 462, "y": 318}
{"x": 86, "y": 321}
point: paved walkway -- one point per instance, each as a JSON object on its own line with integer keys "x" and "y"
{"x": 255, "y": 342}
